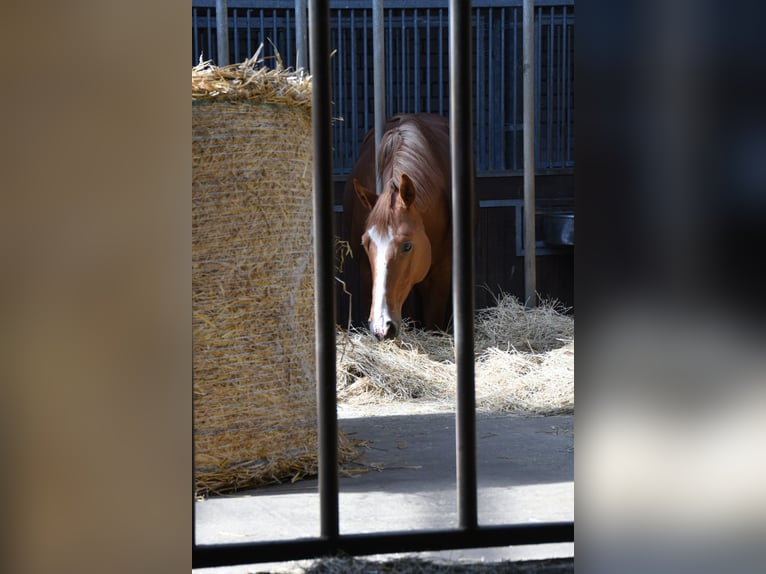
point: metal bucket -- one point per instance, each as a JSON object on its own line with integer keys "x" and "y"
{"x": 558, "y": 229}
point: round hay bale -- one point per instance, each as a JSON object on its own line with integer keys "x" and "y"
{"x": 255, "y": 416}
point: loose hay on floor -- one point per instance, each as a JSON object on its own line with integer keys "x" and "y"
{"x": 524, "y": 362}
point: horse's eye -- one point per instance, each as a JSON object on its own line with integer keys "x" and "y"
{"x": 406, "y": 246}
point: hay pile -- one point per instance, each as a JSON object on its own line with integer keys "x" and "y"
{"x": 252, "y": 278}
{"x": 524, "y": 362}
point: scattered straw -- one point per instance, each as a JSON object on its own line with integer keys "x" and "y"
{"x": 524, "y": 362}
{"x": 250, "y": 82}
{"x": 509, "y": 323}
{"x": 252, "y": 278}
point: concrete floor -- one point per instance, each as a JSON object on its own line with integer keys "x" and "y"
{"x": 525, "y": 474}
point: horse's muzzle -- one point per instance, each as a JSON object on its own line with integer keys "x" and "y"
{"x": 389, "y": 331}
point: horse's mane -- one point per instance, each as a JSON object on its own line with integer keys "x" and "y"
{"x": 418, "y": 147}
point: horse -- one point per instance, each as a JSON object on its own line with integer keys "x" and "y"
{"x": 402, "y": 239}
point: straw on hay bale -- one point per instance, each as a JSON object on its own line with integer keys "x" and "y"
{"x": 253, "y": 278}
{"x": 524, "y": 362}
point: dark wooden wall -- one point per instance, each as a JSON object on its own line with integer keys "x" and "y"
{"x": 499, "y": 253}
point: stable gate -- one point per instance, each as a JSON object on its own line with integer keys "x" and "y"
{"x": 417, "y": 69}
{"x": 468, "y": 534}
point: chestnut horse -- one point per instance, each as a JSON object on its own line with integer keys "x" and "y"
{"x": 402, "y": 239}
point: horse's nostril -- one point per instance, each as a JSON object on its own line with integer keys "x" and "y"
{"x": 388, "y": 332}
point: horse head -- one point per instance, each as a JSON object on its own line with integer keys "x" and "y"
{"x": 398, "y": 248}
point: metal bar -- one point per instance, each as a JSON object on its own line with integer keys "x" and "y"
{"x": 274, "y": 36}
{"x": 352, "y": 88}
{"x": 514, "y": 104}
{"x": 390, "y": 65}
{"x": 491, "y": 126}
{"x": 262, "y": 24}
{"x": 565, "y": 91}
{"x": 366, "y": 68}
{"x": 210, "y": 36}
{"x": 461, "y": 138}
{"x": 236, "y": 35}
{"x": 538, "y": 79}
{"x": 403, "y": 79}
{"x": 222, "y": 32}
{"x": 559, "y": 98}
{"x": 324, "y": 268}
{"x": 301, "y": 39}
{"x": 340, "y": 101}
{"x": 416, "y": 62}
{"x": 567, "y": 104}
{"x": 205, "y": 556}
{"x": 289, "y": 60}
{"x": 378, "y": 82}
{"x": 479, "y": 112}
{"x": 250, "y": 50}
{"x": 441, "y": 62}
{"x": 549, "y": 93}
{"x": 428, "y": 60}
{"x": 195, "y": 38}
{"x": 530, "y": 271}
{"x": 502, "y": 163}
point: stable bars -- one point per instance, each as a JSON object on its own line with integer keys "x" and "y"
{"x": 468, "y": 534}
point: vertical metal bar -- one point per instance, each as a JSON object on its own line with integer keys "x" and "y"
{"x": 235, "y": 25}
{"x": 195, "y": 39}
{"x": 538, "y": 78}
{"x": 366, "y": 75}
{"x": 288, "y": 42}
{"x": 352, "y": 89}
{"x": 274, "y": 30}
{"x": 262, "y": 28}
{"x": 514, "y": 103}
{"x": 567, "y": 105}
{"x": 209, "y": 36}
{"x": 378, "y": 81}
{"x": 530, "y": 271}
{"x": 324, "y": 296}
{"x": 340, "y": 101}
{"x": 250, "y": 50}
{"x": 478, "y": 51}
{"x": 549, "y": 94}
{"x": 491, "y": 126}
{"x": 502, "y": 164}
{"x": 390, "y": 65}
{"x": 428, "y": 60}
{"x": 222, "y": 32}
{"x": 559, "y": 97}
{"x": 441, "y": 62}
{"x": 461, "y": 108}
{"x": 333, "y": 87}
{"x": 404, "y": 80}
{"x": 416, "y": 60}
{"x": 301, "y": 46}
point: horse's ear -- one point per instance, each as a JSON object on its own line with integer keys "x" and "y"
{"x": 367, "y": 198}
{"x": 406, "y": 190}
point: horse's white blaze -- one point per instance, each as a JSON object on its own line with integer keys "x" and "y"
{"x": 380, "y": 312}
